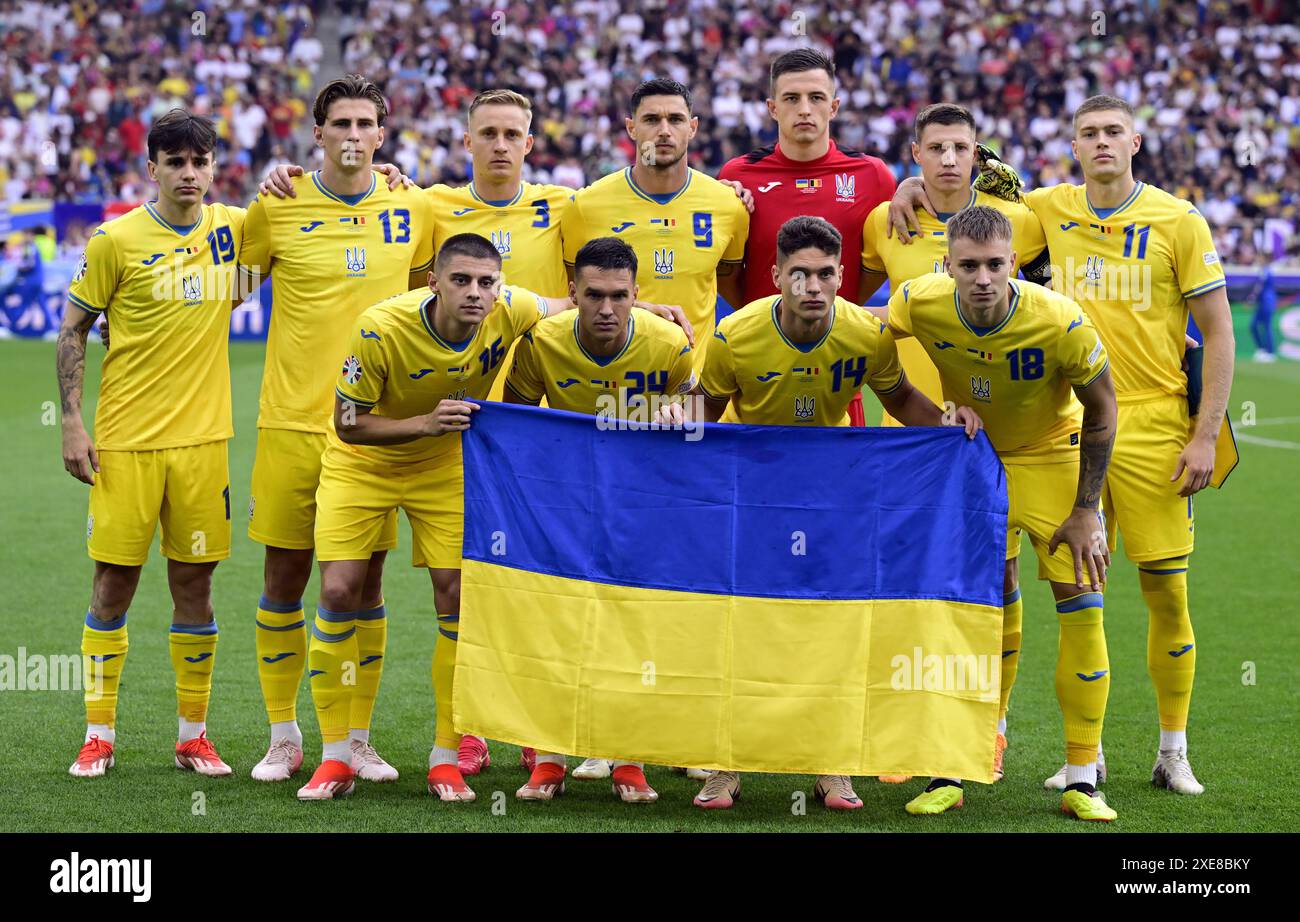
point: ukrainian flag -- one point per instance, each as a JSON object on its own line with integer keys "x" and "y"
{"x": 812, "y": 600}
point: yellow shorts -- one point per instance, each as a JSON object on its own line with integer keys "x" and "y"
{"x": 282, "y": 507}
{"x": 356, "y": 497}
{"x": 920, "y": 371}
{"x": 1040, "y": 498}
{"x": 1140, "y": 501}
{"x": 186, "y": 490}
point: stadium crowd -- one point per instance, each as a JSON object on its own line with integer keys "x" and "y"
{"x": 1216, "y": 85}
{"x": 80, "y": 84}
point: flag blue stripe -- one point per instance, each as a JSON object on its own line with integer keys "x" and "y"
{"x": 775, "y": 512}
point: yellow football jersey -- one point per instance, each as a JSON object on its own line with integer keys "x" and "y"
{"x": 397, "y": 365}
{"x": 1133, "y": 270}
{"x": 679, "y": 239}
{"x": 773, "y": 381}
{"x": 1019, "y": 375}
{"x": 888, "y": 254}
{"x": 329, "y": 260}
{"x": 551, "y": 362}
{"x": 167, "y": 293}
{"x": 525, "y": 231}
{"x": 884, "y": 253}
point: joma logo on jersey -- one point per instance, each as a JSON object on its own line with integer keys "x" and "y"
{"x": 356, "y": 259}
{"x": 192, "y": 287}
{"x": 845, "y": 187}
{"x": 663, "y": 263}
{"x": 805, "y": 407}
{"x": 501, "y": 240}
{"x": 980, "y": 388}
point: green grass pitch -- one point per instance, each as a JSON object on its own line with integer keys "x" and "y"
{"x": 1240, "y": 734}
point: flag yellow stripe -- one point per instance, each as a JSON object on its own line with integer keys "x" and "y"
{"x": 752, "y": 684}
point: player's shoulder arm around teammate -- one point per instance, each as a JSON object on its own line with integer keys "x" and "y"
{"x": 524, "y": 381}
{"x": 899, "y": 310}
{"x": 422, "y": 208}
{"x": 256, "y": 244}
{"x": 1080, "y": 351}
{"x": 573, "y": 230}
{"x": 718, "y": 381}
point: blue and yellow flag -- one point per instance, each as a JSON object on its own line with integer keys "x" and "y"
{"x": 820, "y": 600}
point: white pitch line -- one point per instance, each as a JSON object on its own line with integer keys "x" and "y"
{"x": 1278, "y": 421}
{"x": 1270, "y": 443}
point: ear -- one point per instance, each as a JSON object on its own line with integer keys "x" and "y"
{"x": 695, "y": 124}
{"x": 573, "y": 292}
{"x": 380, "y": 142}
{"x": 318, "y": 136}
{"x": 835, "y": 106}
{"x": 152, "y": 169}
{"x": 465, "y": 140}
{"x": 916, "y": 153}
{"x": 528, "y": 144}
{"x": 776, "y": 273}
{"x": 947, "y": 266}
{"x": 771, "y": 107}
{"x": 433, "y": 282}
{"x": 627, "y": 126}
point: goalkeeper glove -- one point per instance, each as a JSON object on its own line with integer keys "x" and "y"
{"x": 995, "y": 177}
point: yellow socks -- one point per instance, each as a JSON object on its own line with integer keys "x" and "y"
{"x": 1012, "y": 624}
{"x": 372, "y": 638}
{"x": 1171, "y": 645}
{"x": 444, "y": 669}
{"x": 332, "y": 667}
{"x": 281, "y": 656}
{"x": 1082, "y": 675}
{"x": 193, "y": 650}
{"x": 103, "y": 651}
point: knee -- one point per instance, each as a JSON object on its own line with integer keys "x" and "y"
{"x": 338, "y": 592}
{"x": 112, "y": 591}
{"x": 286, "y": 574}
{"x": 446, "y": 590}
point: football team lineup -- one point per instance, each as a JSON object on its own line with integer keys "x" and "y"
{"x": 1053, "y": 320}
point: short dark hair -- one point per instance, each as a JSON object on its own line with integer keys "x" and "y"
{"x": 349, "y": 86}
{"x": 1099, "y": 104}
{"x": 605, "y": 253}
{"x": 979, "y": 223}
{"x": 659, "y": 86}
{"x": 807, "y": 231}
{"x": 178, "y": 130}
{"x": 800, "y": 59}
{"x": 942, "y": 113}
{"x": 474, "y": 246}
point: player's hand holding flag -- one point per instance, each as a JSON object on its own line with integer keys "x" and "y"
{"x": 449, "y": 416}
{"x": 1084, "y": 532}
{"x": 965, "y": 417}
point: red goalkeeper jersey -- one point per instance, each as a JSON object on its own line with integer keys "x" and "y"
{"x": 842, "y": 186}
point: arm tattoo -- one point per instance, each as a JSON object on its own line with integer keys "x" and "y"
{"x": 70, "y": 359}
{"x": 1094, "y": 457}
